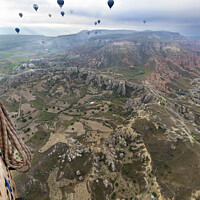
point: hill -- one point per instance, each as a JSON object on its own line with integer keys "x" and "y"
{"x": 112, "y": 115}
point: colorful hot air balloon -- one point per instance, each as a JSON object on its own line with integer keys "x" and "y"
{"x": 60, "y": 3}
{"x": 20, "y": 14}
{"x": 110, "y": 3}
{"x": 46, "y": 50}
{"x": 35, "y": 6}
{"x": 62, "y": 13}
{"x": 17, "y": 30}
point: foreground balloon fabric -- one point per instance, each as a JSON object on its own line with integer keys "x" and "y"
{"x": 10, "y": 141}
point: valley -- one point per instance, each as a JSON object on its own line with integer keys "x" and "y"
{"x": 114, "y": 116}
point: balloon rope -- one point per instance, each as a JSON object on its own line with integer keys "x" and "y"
{"x": 10, "y": 142}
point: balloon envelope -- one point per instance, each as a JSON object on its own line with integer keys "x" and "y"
{"x": 110, "y": 3}
{"x": 99, "y": 21}
{"x": 20, "y": 14}
{"x": 62, "y": 13}
{"x": 35, "y": 6}
{"x": 60, "y": 3}
{"x": 95, "y": 23}
{"x": 50, "y": 15}
{"x": 17, "y": 30}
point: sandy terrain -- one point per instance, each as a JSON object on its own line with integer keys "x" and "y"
{"x": 54, "y": 139}
{"x": 14, "y": 96}
{"x": 65, "y": 117}
{"x": 27, "y": 95}
{"x": 85, "y": 99}
{"x": 26, "y": 108}
{"x": 77, "y": 127}
{"x": 97, "y": 126}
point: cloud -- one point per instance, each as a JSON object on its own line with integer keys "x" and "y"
{"x": 177, "y": 15}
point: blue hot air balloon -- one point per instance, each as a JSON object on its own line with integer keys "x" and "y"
{"x": 50, "y": 15}
{"x": 95, "y": 23}
{"x": 110, "y": 3}
{"x": 60, "y": 3}
{"x": 20, "y": 14}
{"x": 17, "y": 30}
{"x": 62, "y": 13}
{"x": 35, "y": 6}
{"x": 99, "y": 21}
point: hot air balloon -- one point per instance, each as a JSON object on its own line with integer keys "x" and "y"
{"x": 42, "y": 42}
{"x": 35, "y": 6}
{"x": 99, "y": 21}
{"x": 47, "y": 50}
{"x": 17, "y": 30}
{"x": 62, "y": 13}
{"x": 88, "y": 32}
{"x": 144, "y": 22}
{"x": 50, "y": 15}
{"x": 110, "y": 3}
{"x": 95, "y": 23}
{"x": 60, "y": 3}
{"x": 20, "y": 14}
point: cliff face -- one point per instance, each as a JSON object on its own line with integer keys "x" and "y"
{"x": 108, "y": 53}
{"x": 157, "y": 57}
{"x": 161, "y": 56}
{"x": 169, "y": 69}
{"x": 122, "y": 87}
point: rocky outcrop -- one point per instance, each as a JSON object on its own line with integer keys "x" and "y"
{"x": 146, "y": 98}
{"x": 122, "y": 87}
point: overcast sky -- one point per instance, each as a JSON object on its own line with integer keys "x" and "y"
{"x": 172, "y": 15}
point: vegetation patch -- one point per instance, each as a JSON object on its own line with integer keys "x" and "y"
{"x": 46, "y": 116}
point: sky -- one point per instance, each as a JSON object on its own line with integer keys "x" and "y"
{"x": 181, "y": 16}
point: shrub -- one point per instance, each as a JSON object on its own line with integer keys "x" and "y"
{"x": 113, "y": 195}
{"x": 24, "y": 120}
